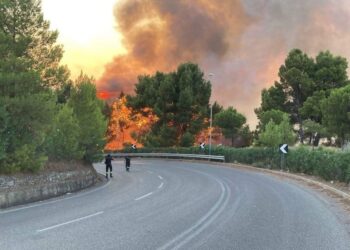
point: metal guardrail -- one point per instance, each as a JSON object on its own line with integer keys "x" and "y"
{"x": 171, "y": 155}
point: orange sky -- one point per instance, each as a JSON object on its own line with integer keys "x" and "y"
{"x": 87, "y": 31}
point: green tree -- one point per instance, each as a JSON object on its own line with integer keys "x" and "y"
{"x": 336, "y": 113}
{"x": 245, "y": 136}
{"x": 296, "y": 80}
{"x": 179, "y": 99}
{"x": 330, "y": 71}
{"x": 312, "y": 107}
{"x": 304, "y": 82}
{"x": 270, "y": 115}
{"x": 30, "y": 118}
{"x": 314, "y": 131}
{"x": 272, "y": 98}
{"x": 230, "y": 121}
{"x": 88, "y": 112}
{"x": 275, "y": 134}
{"x": 63, "y": 140}
{"x": 187, "y": 140}
{"x": 29, "y": 59}
{"x": 28, "y": 34}
{"x": 217, "y": 108}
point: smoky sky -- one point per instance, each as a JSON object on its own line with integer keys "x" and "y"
{"x": 242, "y": 42}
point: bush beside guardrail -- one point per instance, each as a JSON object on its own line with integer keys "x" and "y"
{"x": 328, "y": 164}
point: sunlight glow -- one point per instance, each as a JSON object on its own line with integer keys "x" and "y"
{"x": 87, "y": 31}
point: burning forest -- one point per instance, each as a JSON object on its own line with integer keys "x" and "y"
{"x": 242, "y": 42}
{"x": 126, "y": 127}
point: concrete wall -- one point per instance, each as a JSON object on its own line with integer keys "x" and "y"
{"x": 21, "y": 189}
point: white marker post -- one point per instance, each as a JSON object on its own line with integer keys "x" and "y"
{"x": 283, "y": 148}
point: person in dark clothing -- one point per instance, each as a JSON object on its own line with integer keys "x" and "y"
{"x": 108, "y": 162}
{"x": 127, "y": 163}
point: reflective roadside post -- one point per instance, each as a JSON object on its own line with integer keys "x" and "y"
{"x": 283, "y": 149}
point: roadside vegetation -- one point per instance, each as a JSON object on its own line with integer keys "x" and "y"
{"x": 326, "y": 163}
{"x": 44, "y": 114}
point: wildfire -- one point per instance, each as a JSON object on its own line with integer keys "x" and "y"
{"x": 104, "y": 95}
{"x": 125, "y": 126}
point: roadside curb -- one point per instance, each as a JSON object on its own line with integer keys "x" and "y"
{"x": 292, "y": 176}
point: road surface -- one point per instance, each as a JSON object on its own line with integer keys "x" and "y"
{"x": 163, "y": 204}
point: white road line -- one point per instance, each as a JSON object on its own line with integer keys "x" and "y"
{"x": 161, "y": 185}
{"x": 207, "y": 222}
{"x": 160, "y": 177}
{"x": 144, "y": 196}
{"x": 69, "y": 222}
{"x": 200, "y": 223}
{"x": 187, "y": 235}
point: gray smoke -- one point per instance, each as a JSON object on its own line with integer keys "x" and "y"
{"x": 242, "y": 42}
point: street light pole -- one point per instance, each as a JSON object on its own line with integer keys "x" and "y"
{"x": 211, "y": 120}
{"x": 211, "y": 127}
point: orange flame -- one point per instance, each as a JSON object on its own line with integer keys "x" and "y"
{"x": 125, "y": 126}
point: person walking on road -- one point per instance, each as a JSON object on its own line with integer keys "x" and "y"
{"x": 108, "y": 162}
{"x": 127, "y": 163}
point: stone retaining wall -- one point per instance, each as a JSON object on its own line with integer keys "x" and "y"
{"x": 21, "y": 189}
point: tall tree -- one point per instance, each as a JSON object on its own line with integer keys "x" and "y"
{"x": 272, "y": 98}
{"x": 88, "y": 111}
{"x": 180, "y": 101}
{"x": 28, "y": 103}
{"x": 312, "y": 107}
{"x": 29, "y": 37}
{"x": 304, "y": 83}
{"x": 230, "y": 121}
{"x": 63, "y": 139}
{"x": 296, "y": 80}
{"x": 336, "y": 113}
{"x": 330, "y": 71}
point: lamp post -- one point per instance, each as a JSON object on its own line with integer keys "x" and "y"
{"x": 211, "y": 119}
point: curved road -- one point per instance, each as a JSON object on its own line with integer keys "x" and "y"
{"x": 178, "y": 205}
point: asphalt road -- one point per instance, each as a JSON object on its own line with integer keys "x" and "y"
{"x": 163, "y": 204}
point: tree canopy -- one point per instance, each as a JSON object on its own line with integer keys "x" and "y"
{"x": 230, "y": 121}
{"x": 304, "y": 84}
{"x": 179, "y": 99}
{"x": 336, "y": 113}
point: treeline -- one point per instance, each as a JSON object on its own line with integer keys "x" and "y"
{"x": 180, "y": 101}
{"x": 43, "y": 113}
{"x": 312, "y": 97}
{"x": 310, "y": 101}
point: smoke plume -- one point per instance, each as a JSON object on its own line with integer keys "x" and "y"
{"x": 243, "y": 42}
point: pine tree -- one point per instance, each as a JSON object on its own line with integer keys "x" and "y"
{"x": 180, "y": 100}
{"x": 28, "y": 37}
{"x": 92, "y": 123}
{"x": 25, "y": 43}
